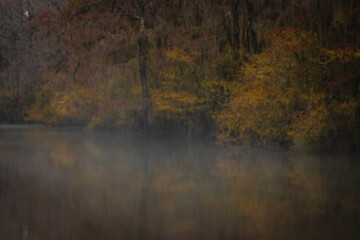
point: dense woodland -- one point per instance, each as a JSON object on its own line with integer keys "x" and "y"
{"x": 250, "y": 72}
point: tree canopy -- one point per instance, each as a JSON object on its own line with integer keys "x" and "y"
{"x": 249, "y": 72}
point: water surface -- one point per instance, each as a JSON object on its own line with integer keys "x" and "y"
{"x": 75, "y": 185}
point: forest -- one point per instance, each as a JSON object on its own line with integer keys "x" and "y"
{"x": 247, "y": 72}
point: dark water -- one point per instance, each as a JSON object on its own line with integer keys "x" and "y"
{"x": 74, "y": 185}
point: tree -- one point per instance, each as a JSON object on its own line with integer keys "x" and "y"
{"x": 77, "y": 12}
{"x": 202, "y": 65}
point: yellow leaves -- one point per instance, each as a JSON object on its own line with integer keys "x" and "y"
{"x": 168, "y": 76}
{"x": 250, "y": 114}
{"x": 178, "y": 96}
{"x": 259, "y": 96}
{"x": 56, "y": 106}
{"x": 261, "y": 101}
{"x": 40, "y": 111}
{"x": 357, "y": 54}
{"x": 179, "y": 55}
{"x": 275, "y": 99}
{"x": 213, "y": 91}
{"x": 343, "y": 55}
{"x": 309, "y": 37}
{"x": 180, "y": 104}
{"x": 136, "y": 91}
{"x": 308, "y": 129}
{"x": 108, "y": 101}
{"x": 36, "y": 114}
{"x": 94, "y": 122}
{"x": 270, "y": 67}
{"x": 314, "y": 128}
{"x": 312, "y": 98}
{"x": 63, "y": 105}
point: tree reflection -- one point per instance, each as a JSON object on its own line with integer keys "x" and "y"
{"x": 75, "y": 185}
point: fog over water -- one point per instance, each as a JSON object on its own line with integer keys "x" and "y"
{"x": 66, "y": 183}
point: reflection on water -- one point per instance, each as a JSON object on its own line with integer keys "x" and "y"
{"x": 68, "y": 184}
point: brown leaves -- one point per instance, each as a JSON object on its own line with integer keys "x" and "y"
{"x": 46, "y": 19}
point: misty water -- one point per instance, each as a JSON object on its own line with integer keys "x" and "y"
{"x": 70, "y": 184}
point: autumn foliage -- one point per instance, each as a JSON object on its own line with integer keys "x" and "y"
{"x": 246, "y": 72}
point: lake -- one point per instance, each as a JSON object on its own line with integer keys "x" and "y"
{"x": 66, "y": 183}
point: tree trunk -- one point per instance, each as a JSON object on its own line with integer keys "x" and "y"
{"x": 144, "y": 83}
{"x": 251, "y": 38}
{"x": 236, "y": 27}
{"x": 142, "y": 42}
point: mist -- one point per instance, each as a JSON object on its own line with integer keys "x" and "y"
{"x": 66, "y": 183}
